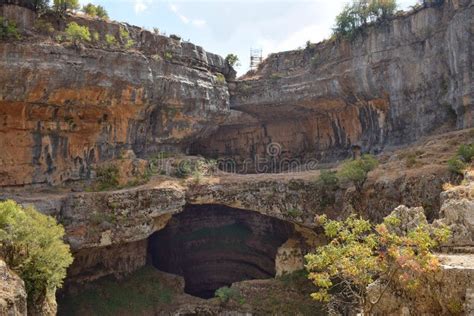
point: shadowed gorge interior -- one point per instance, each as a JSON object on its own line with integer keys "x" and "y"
{"x": 213, "y": 246}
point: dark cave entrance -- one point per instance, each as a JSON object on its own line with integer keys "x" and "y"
{"x": 213, "y": 246}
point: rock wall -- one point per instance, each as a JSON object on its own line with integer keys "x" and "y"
{"x": 399, "y": 80}
{"x": 64, "y": 108}
{"x": 12, "y": 292}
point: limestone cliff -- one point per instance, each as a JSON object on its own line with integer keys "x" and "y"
{"x": 397, "y": 81}
{"x": 64, "y": 108}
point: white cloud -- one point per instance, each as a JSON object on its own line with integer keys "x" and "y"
{"x": 185, "y": 19}
{"x": 140, "y": 6}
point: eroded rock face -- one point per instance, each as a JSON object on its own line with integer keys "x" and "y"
{"x": 395, "y": 83}
{"x": 213, "y": 246}
{"x": 65, "y": 108}
{"x": 12, "y": 292}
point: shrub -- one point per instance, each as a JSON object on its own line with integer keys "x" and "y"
{"x": 456, "y": 165}
{"x": 90, "y": 9}
{"x": 360, "y": 13}
{"x": 184, "y": 169}
{"x": 44, "y": 27}
{"x": 466, "y": 152}
{"x": 95, "y": 36}
{"x": 168, "y": 56}
{"x": 232, "y": 60}
{"x": 356, "y": 170}
{"x": 328, "y": 178}
{"x": 359, "y": 253}
{"x": 226, "y": 294}
{"x": 101, "y": 12}
{"x": 76, "y": 33}
{"x": 107, "y": 177}
{"x": 220, "y": 78}
{"x": 62, "y": 6}
{"x": 110, "y": 40}
{"x": 8, "y": 29}
{"x": 125, "y": 37}
{"x": 32, "y": 245}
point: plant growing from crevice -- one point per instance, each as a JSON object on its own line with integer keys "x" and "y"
{"x": 356, "y": 171}
{"x": 360, "y": 253}
{"x": 464, "y": 156}
{"x": 8, "y": 29}
{"x": 77, "y": 33}
{"x": 226, "y": 294}
{"x": 32, "y": 245}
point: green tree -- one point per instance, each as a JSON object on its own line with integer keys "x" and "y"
{"x": 357, "y": 170}
{"x": 101, "y": 12}
{"x": 90, "y": 9}
{"x": 77, "y": 33}
{"x": 361, "y": 12}
{"x": 32, "y": 245}
{"x": 8, "y": 29}
{"x": 359, "y": 253}
{"x": 62, "y": 6}
{"x": 232, "y": 60}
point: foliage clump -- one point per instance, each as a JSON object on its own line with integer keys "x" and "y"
{"x": 232, "y": 60}
{"x": 95, "y": 11}
{"x": 8, "y": 30}
{"x": 360, "y": 13}
{"x": 359, "y": 253}
{"x": 107, "y": 177}
{"x": 226, "y": 294}
{"x": 110, "y": 40}
{"x": 62, "y": 6}
{"x": 463, "y": 157}
{"x": 77, "y": 33}
{"x": 357, "y": 170}
{"x": 125, "y": 38}
{"x": 32, "y": 245}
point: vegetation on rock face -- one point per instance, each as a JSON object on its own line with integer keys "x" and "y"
{"x": 77, "y": 33}
{"x": 8, "y": 30}
{"x": 62, "y": 6}
{"x": 125, "y": 37}
{"x": 226, "y": 294}
{"x": 356, "y": 170}
{"x": 463, "y": 157}
{"x": 95, "y": 11}
{"x": 32, "y": 245}
{"x": 360, "y": 253}
{"x": 232, "y": 60}
{"x": 360, "y": 13}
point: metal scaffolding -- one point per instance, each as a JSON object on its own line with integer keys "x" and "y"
{"x": 255, "y": 58}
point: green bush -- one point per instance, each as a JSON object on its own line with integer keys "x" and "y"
{"x": 466, "y": 152}
{"x": 110, "y": 40}
{"x": 359, "y": 253}
{"x": 456, "y": 165}
{"x": 356, "y": 170}
{"x": 328, "y": 178}
{"x": 226, "y": 294}
{"x": 8, "y": 29}
{"x": 32, "y": 245}
{"x": 77, "y": 33}
{"x": 220, "y": 79}
{"x": 168, "y": 56}
{"x": 62, "y": 6}
{"x": 101, "y": 12}
{"x": 184, "y": 169}
{"x": 107, "y": 177}
{"x": 232, "y": 60}
{"x": 125, "y": 37}
{"x": 360, "y": 13}
{"x": 90, "y": 9}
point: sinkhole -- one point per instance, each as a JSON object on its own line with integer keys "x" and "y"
{"x": 212, "y": 246}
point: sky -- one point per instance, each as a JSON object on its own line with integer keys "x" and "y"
{"x": 234, "y": 26}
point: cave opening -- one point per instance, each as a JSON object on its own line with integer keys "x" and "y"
{"x": 212, "y": 246}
